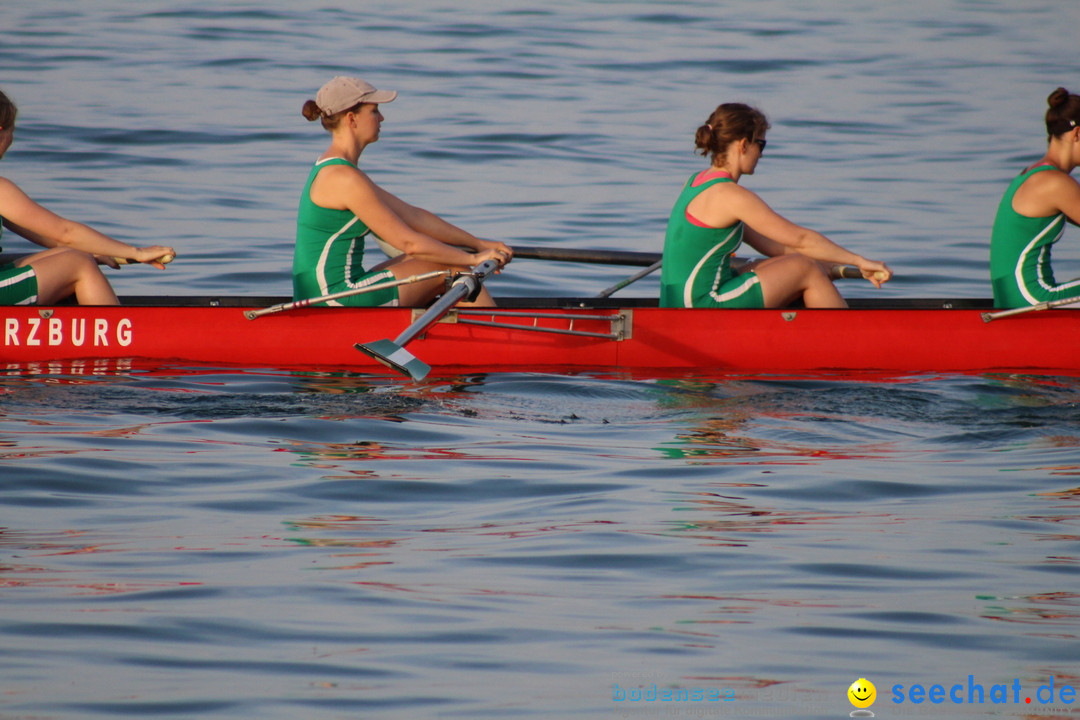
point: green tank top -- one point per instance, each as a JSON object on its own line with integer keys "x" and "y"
{"x": 329, "y": 244}
{"x": 696, "y": 259}
{"x": 1020, "y": 271}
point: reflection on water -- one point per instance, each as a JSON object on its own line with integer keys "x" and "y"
{"x": 773, "y": 536}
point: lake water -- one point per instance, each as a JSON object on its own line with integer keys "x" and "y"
{"x": 251, "y": 543}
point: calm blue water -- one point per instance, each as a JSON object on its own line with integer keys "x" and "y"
{"x": 222, "y": 543}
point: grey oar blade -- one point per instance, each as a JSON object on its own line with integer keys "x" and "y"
{"x": 395, "y": 357}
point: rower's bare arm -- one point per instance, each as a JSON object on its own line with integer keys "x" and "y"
{"x": 357, "y": 193}
{"x": 26, "y": 218}
{"x": 769, "y": 224}
{"x": 420, "y": 220}
{"x": 1070, "y": 200}
{"x": 430, "y": 224}
{"x": 769, "y": 229}
{"x": 766, "y": 246}
{"x": 44, "y": 227}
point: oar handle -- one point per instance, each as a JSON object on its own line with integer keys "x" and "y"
{"x": 850, "y": 272}
{"x": 164, "y": 260}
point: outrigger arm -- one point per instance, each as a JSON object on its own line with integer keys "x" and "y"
{"x": 393, "y": 354}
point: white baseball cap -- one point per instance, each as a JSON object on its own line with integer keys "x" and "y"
{"x": 342, "y": 93}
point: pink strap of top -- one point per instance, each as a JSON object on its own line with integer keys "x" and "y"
{"x": 1044, "y": 163}
{"x": 703, "y": 177}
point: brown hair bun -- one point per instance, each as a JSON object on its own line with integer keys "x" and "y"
{"x": 311, "y": 111}
{"x": 1064, "y": 112}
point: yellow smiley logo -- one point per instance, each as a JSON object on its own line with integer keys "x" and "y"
{"x": 862, "y": 693}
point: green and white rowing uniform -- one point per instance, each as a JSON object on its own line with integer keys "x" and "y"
{"x": 696, "y": 270}
{"x": 1020, "y": 271}
{"x": 18, "y": 285}
{"x": 329, "y": 253}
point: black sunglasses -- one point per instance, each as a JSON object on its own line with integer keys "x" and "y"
{"x": 761, "y": 144}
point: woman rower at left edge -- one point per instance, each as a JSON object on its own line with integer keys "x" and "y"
{"x": 341, "y": 205}
{"x": 70, "y": 264}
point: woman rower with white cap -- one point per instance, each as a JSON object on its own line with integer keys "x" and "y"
{"x": 341, "y": 205}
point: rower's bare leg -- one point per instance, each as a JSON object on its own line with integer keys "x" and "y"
{"x": 422, "y": 293}
{"x": 785, "y": 278}
{"x": 389, "y": 262}
{"x": 63, "y": 271}
{"x": 483, "y": 299}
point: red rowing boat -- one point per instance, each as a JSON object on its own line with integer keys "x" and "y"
{"x": 901, "y": 336}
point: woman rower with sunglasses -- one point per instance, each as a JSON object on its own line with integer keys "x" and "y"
{"x": 714, "y": 215}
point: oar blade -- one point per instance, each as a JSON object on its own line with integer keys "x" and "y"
{"x": 395, "y": 357}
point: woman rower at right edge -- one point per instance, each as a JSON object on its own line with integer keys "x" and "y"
{"x": 714, "y": 214}
{"x": 1032, "y": 214}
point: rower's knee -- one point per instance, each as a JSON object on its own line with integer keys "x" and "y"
{"x": 84, "y": 261}
{"x": 813, "y": 272}
{"x": 810, "y": 266}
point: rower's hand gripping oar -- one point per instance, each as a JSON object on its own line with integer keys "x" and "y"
{"x": 159, "y": 263}
{"x": 393, "y": 354}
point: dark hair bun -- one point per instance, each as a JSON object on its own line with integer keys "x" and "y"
{"x": 311, "y": 111}
{"x": 1058, "y": 98}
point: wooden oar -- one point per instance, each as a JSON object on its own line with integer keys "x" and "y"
{"x": 988, "y": 316}
{"x": 297, "y": 304}
{"x": 615, "y": 257}
{"x": 600, "y": 257}
{"x": 626, "y": 257}
{"x": 529, "y": 252}
{"x": 393, "y": 354}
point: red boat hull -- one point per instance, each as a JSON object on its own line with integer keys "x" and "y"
{"x": 872, "y": 339}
